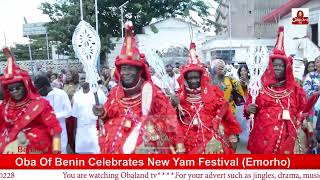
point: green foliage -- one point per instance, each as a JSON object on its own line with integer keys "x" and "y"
{"x": 38, "y": 49}
{"x": 21, "y": 52}
{"x": 2, "y": 57}
{"x": 154, "y": 29}
{"x": 65, "y": 15}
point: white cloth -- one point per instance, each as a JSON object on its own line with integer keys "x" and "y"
{"x": 104, "y": 89}
{"x": 244, "y": 123}
{"x": 156, "y": 80}
{"x": 111, "y": 84}
{"x": 61, "y": 105}
{"x": 172, "y": 83}
{"x": 87, "y": 134}
{"x": 317, "y": 105}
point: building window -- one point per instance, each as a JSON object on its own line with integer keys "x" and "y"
{"x": 226, "y": 55}
{"x": 314, "y": 34}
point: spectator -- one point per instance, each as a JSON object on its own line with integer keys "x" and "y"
{"x": 310, "y": 67}
{"x": 229, "y": 85}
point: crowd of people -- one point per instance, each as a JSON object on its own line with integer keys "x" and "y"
{"x": 199, "y": 110}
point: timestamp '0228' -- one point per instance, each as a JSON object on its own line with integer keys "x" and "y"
{"x": 7, "y": 175}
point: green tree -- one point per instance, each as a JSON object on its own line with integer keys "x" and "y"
{"x": 21, "y": 52}
{"x": 65, "y": 15}
{"x": 220, "y": 16}
{"x": 38, "y": 49}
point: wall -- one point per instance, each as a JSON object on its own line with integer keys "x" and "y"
{"x": 240, "y": 46}
{"x": 171, "y": 31}
{"x": 262, "y": 8}
{"x": 246, "y": 18}
{"x": 290, "y": 32}
{"x": 242, "y": 22}
{"x": 53, "y": 65}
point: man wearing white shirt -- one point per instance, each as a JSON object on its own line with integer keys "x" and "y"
{"x": 173, "y": 83}
{"x": 83, "y": 101}
{"x": 60, "y": 103}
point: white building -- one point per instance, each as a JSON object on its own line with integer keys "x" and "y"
{"x": 164, "y": 34}
{"x": 235, "y": 48}
{"x": 302, "y": 41}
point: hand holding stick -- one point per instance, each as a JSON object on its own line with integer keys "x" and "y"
{"x": 257, "y": 62}
{"x": 86, "y": 44}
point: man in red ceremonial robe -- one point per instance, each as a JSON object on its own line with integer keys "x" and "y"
{"x": 137, "y": 117}
{"x": 27, "y": 122}
{"x": 209, "y": 126}
{"x": 278, "y": 108}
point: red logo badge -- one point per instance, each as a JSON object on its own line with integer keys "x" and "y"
{"x": 300, "y": 15}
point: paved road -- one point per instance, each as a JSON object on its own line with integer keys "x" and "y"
{"x": 242, "y": 148}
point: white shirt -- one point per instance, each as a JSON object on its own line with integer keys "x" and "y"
{"x": 87, "y": 134}
{"x": 173, "y": 83}
{"x": 61, "y": 105}
{"x": 111, "y": 84}
{"x": 167, "y": 82}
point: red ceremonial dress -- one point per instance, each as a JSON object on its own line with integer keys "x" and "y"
{"x": 27, "y": 126}
{"x": 206, "y": 117}
{"x": 279, "y": 110}
{"x": 143, "y": 124}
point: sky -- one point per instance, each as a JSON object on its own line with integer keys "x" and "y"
{"x": 11, "y": 19}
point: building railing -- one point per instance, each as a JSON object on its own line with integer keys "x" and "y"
{"x": 45, "y": 65}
